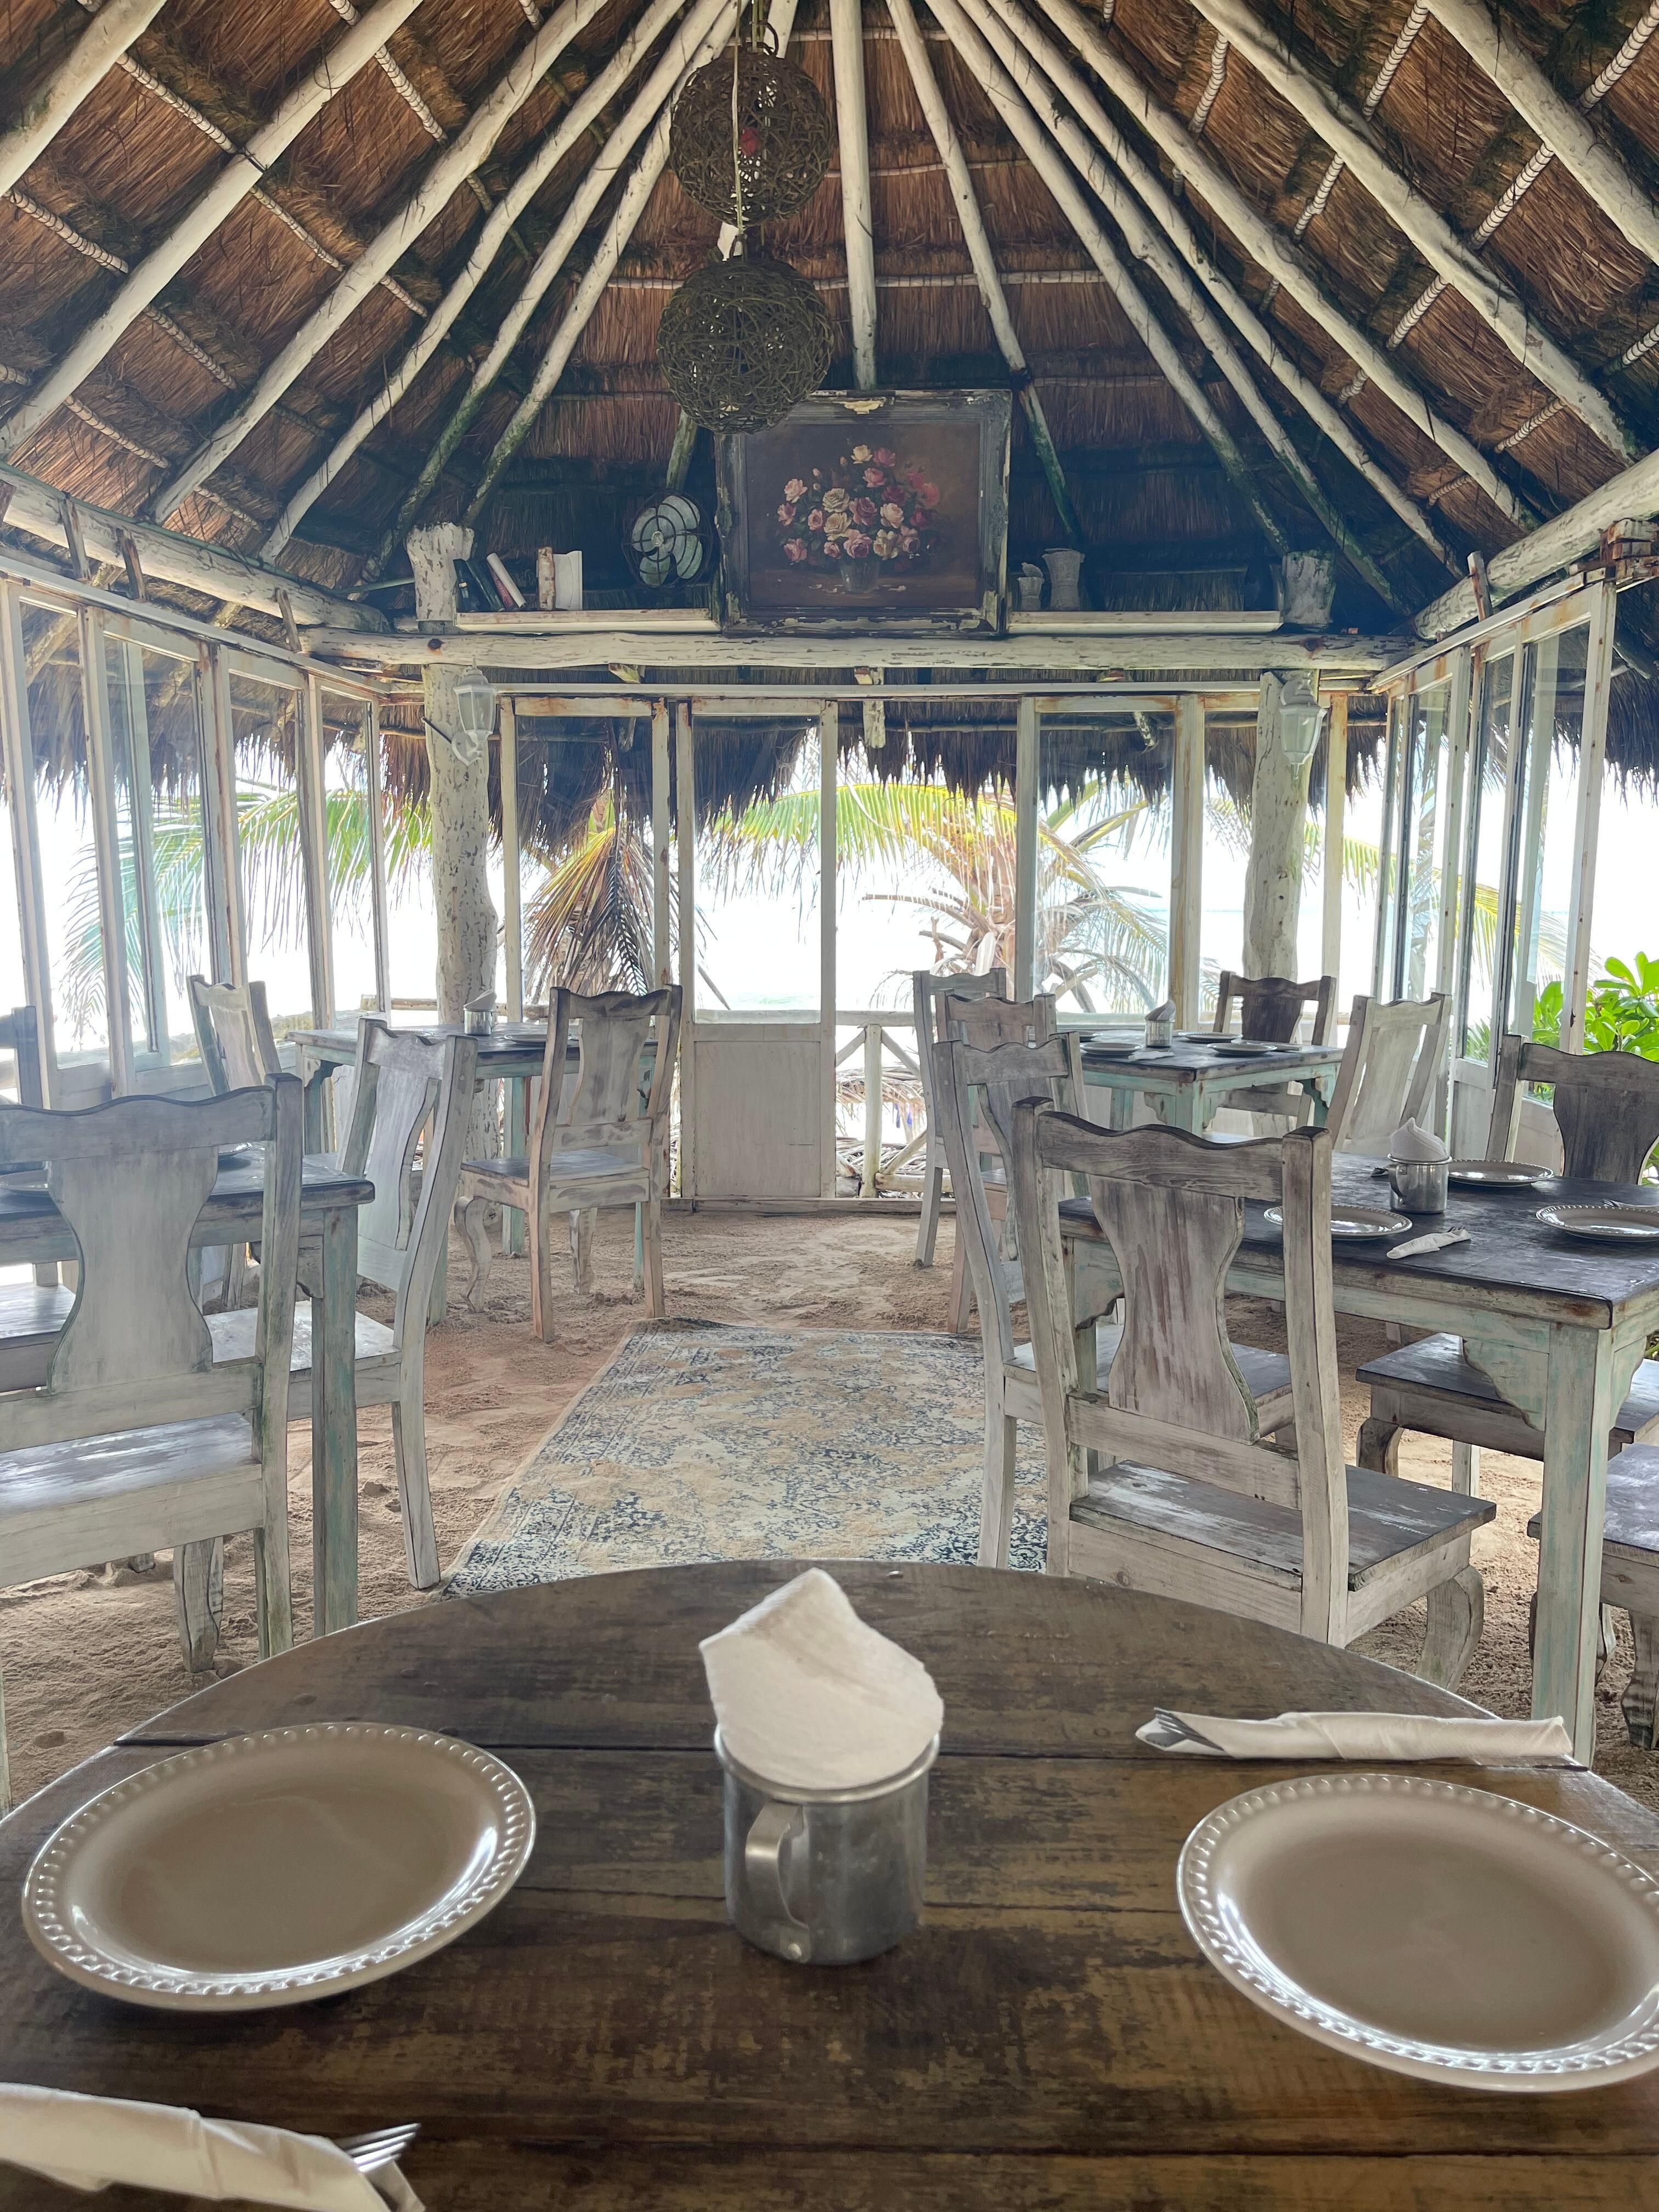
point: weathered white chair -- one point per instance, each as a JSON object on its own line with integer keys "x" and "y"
{"x": 139, "y": 1438}
{"x": 1394, "y": 1055}
{"x": 30, "y": 1314}
{"x": 593, "y": 1143}
{"x": 1188, "y": 1501}
{"x": 927, "y": 989}
{"x": 1606, "y": 1108}
{"x": 1270, "y": 1007}
{"x": 409, "y": 1095}
{"x": 977, "y": 1089}
{"x": 234, "y": 1032}
{"x": 985, "y": 1021}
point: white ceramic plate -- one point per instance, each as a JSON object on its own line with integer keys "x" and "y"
{"x": 268, "y": 1869}
{"x": 1431, "y": 1929}
{"x": 1496, "y": 1175}
{"x": 1606, "y": 1224}
{"x": 1249, "y": 1048}
{"x": 1356, "y": 1224}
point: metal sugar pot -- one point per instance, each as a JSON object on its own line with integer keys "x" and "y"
{"x": 1418, "y": 1185}
{"x": 825, "y": 1877}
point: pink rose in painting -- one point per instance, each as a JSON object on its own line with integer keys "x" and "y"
{"x": 856, "y": 545}
{"x": 795, "y": 548}
{"x": 864, "y": 513}
{"x": 886, "y": 456}
{"x": 914, "y": 478}
{"x": 794, "y": 489}
{"x": 787, "y": 513}
{"x": 891, "y": 512}
{"x": 875, "y": 478}
{"x": 815, "y": 520}
{"x": 927, "y": 494}
{"x": 908, "y": 540}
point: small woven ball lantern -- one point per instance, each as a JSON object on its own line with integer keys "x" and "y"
{"x": 777, "y": 156}
{"x": 742, "y": 341}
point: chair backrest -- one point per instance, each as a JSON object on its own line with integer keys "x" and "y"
{"x": 407, "y": 1088}
{"x": 131, "y": 1179}
{"x": 1172, "y": 1207}
{"x": 927, "y": 990}
{"x": 986, "y": 1022}
{"x": 233, "y": 1028}
{"x": 1396, "y": 1054}
{"x": 1606, "y": 1105}
{"x": 19, "y": 1035}
{"x": 600, "y": 1109}
{"x": 1270, "y": 1007}
{"x": 978, "y": 1089}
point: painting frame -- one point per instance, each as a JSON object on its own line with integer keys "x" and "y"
{"x": 956, "y": 578}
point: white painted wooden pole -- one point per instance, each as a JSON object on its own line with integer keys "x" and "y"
{"x": 18, "y": 742}
{"x": 311, "y": 775}
{"x": 1039, "y": 149}
{"x": 1452, "y": 808}
{"x": 1349, "y": 134}
{"x": 233, "y": 182}
{"x": 1592, "y": 764}
{"x": 107, "y": 848}
{"x": 1187, "y": 860}
{"x": 1273, "y": 877}
{"x": 466, "y": 153}
{"x": 685, "y": 832}
{"x": 95, "y": 53}
{"x": 512, "y": 862}
{"x": 828, "y": 768}
{"x": 704, "y": 29}
{"x": 1564, "y": 127}
{"x": 460, "y": 793}
{"x": 1268, "y": 245}
{"x": 1148, "y": 244}
{"x": 661, "y": 859}
{"x": 1336, "y": 807}
{"x": 853, "y": 137}
{"x": 1028, "y": 740}
{"x": 377, "y": 859}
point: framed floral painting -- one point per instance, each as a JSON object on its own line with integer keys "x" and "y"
{"x": 866, "y": 509}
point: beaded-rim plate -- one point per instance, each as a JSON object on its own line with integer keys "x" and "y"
{"x": 1352, "y": 1225}
{"x": 1431, "y": 1929}
{"x": 1605, "y": 1225}
{"x": 274, "y": 1868}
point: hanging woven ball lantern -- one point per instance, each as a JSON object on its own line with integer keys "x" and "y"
{"x": 742, "y": 341}
{"x": 778, "y": 154}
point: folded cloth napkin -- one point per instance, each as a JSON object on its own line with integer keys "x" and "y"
{"x": 809, "y": 1696}
{"x": 1412, "y": 1142}
{"x": 87, "y": 2142}
{"x": 1361, "y": 1735}
{"x": 1438, "y": 1240}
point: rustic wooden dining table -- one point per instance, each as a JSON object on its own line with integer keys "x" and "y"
{"x": 1187, "y": 1081}
{"x": 31, "y": 1229}
{"x": 1560, "y": 1324}
{"x": 1050, "y": 2037}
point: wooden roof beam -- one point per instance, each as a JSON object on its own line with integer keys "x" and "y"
{"x": 858, "y": 227}
{"x": 1010, "y": 104}
{"x": 629, "y": 208}
{"x": 1265, "y": 243}
{"x": 449, "y": 171}
{"x": 95, "y": 53}
{"x": 1564, "y": 127}
{"x": 1347, "y": 132}
{"x": 648, "y": 105}
{"x": 961, "y": 184}
{"x": 1192, "y": 258}
{"x": 330, "y": 74}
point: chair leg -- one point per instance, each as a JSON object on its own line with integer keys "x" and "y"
{"x": 198, "y": 1596}
{"x": 1457, "y": 1609}
{"x": 961, "y": 1290}
{"x": 475, "y": 1227}
{"x": 1466, "y": 1470}
{"x": 1378, "y": 1446}
{"x": 933, "y": 1190}
{"x": 541, "y": 1274}
{"x": 996, "y": 1512}
{"x": 414, "y": 1486}
{"x": 270, "y": 1577}
{"x": 5, "y": 1768}
{"x": 1641, "y": 1692}
{"x": 586, "y": 1221}
{"x": 656, "y": 1302}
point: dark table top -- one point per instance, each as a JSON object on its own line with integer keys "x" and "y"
{"x": 1185, "y": 1061}
{"x": 1049, "y": 2037}
{"x": 237, "y": 1198}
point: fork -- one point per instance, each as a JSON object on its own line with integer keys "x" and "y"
{"x": 369, "y": 2154}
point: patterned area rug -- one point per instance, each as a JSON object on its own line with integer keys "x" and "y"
{"x": 704, "y": 1440}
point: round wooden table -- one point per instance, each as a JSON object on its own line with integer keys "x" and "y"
{"x": 1049, "y": 2037}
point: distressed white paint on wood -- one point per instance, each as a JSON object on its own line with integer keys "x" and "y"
{"x": 460, "y": 793}
{"x": 89, "y": 60}
{"x": 1394, "y": 1057}
{"x": 1279, "y": 820}
{"x": 853, "y": 138}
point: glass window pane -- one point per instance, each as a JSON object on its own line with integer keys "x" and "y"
{"x": 265, "y": 736}
{"x": 757, "y": 895}
{"x": 347, "y": 734}
{"x": 1547, "y": 826}
{"x": 1483, "y": 840}
{"x": 1104, "y": 862}
{"x": 68, "y": 861}
{"x": 1421, "y": 837}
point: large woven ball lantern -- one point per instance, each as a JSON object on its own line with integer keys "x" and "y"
{"x": 742, "y": 341}
{"x": 777, "y": 156}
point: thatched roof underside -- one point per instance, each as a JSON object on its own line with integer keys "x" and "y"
{"x": 1165, "y": 525}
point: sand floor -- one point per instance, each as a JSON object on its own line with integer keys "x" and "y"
{"x": 85, "y": 1655}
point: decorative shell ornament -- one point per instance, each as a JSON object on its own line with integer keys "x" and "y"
{"x": 666, "y": 544}
{"x": 776, "y": 156}
{"x": 742, "y": 341}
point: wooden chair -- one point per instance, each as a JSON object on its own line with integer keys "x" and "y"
{"x": 30, "y": 1314}
{"x": 1270, "y": 1008}
{"x": 139, "y": 1438}
{"x": 1396, "y": 1054}
{"x": 1190, "y": 1502}
{"x": 986, "y": 1022}
{"x": 927, "y": 990}
{"x": 592, "y": 1144}
{"x": 232, "y": 1030}
{"x": 1606, "y": 1108}
{"x": 977, "y": 1089}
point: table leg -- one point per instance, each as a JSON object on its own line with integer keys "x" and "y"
{"x": 518, "y": 1141}
{"x": 1184, "y": 1109}
{"x": 1123, "y": 1106}
{"x": 1579, "y": 1403}
{"x": 313, "y": 1072}
{"x": 334, "y": 1425}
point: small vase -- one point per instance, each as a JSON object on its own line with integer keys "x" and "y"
{"x": 855, "y": 575}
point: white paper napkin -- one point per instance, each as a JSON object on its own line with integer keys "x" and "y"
{"x": 809, "y": 1695}
{"x": 87, "y": 2142}
{"x": 1361, "y": 1735}
{"x": 1412, "y": 1142}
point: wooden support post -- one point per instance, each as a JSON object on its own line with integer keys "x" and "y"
{"x": 1027, "y": 749}
{"x": 107, "y": 846}
{"x": 828, "y": 766}
{"x": 1187, "y": 860}
{"x": 18, "y": 742}
{"x": 512, "y": 862}
{"x": 460, "y": 792}
{"x": 89, "y": 61}
{"x": 1336, "y": 804}
{"x": 1278, "y": 817}
{"x": 685, "y": 828}
{"x": 1453, "y": 802}
{"x": 853, "y": 137}
{"x": 313, "y": 851}
{"x": 377, "y": 860}
{"x": 661, "y": 856}
{"x": 227, "y": 924}
{"x": 870, "y": 1180}
{"x": 1592, "y": 761}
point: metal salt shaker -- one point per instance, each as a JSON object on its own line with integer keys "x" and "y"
{"x": 825, "y": 1876}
